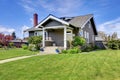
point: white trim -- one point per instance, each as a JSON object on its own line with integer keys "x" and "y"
{"x": 65, "y": 38}
{"x": 43, "y": 37}
{"x": 54, "y": 27}
{"x": 54, "y": 18}
{"x": 88, "y": 37}
{"x": 89, "y": 25}
{"x": 86, "y": 22}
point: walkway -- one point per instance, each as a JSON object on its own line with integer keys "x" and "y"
{"x": 18, "y": 58}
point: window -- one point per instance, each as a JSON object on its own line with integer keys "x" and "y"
{"x": 93, "y": 38}
{"x": 68, "y": 31}
{"x": 89, "y": 24}
{"x": 87, "y": 37}
{"x": 35, "y": 33}
{"x": 39, "y": 33}
{"x": 85, "y": 34}
{"x": 81, "y": 33}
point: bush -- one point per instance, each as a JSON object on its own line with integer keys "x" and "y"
{"x": 72, "y": 51}
{"x": 113, "y": 44}
{"x": 0, "y": 46}
{"x": 64, "y": 51}
{"x": 87, "y": 48}
{"x": 78, "y": 41}
{"x": 31, "y": 47}
{"x": 96, "y": 47}
{"x": 11, "y": 44}
{"x": 36, "y": 40}
{"x": 24, "y": 46}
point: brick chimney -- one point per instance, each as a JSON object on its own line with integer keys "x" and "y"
{"x": 35, "y": 19}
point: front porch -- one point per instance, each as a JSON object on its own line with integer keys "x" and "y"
{"x": 56, "y": 36}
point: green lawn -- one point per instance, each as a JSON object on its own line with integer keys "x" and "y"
{"x": 15, "y": 52}
{"x": 97, "y": 65}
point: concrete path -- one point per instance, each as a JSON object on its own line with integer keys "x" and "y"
{"x": 14, "y": 59}
{"x": 18, "y": 58}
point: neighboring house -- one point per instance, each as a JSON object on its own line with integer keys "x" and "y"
{"x": 18, "y": 42}
{"x": 58, "y": 31}
{"x": 100, "y": 42}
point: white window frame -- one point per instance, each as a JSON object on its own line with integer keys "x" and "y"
{"x": 85, "y": 34}
{"x": 87, "y": 37}
{"x": 81, "y": 33}
{"x": 89, "y": 24}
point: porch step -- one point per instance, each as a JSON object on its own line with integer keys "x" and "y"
{"x": 50, "y": 50}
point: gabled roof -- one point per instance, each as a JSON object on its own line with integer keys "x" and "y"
{"x": 80, "y": 21}
{"x": 52, "y": 18}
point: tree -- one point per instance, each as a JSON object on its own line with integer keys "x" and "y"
{"x": 4, "y": 39}
{"x": 114, "y": 36}
{"x": 106, "y": 37}
{"x": 14, "y": 35}
{"x": 103, "y": 35}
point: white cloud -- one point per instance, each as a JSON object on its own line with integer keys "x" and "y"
{"x": 28, "y": 5}
{"x": 111, "y": 26}
{"x": 22, "y": 30}
{"x": 66, "y": 7}
{"x": 31, "y": 20}
{"x": 6, "y": 30}
{"x": 61, "y": 7}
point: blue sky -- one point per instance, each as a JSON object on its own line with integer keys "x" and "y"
{"x": 17, "y": 15}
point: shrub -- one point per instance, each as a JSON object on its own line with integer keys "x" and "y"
{"x": 64, "y": 51}
{"x": 24, "y": 46}
{"x": 113, "y": 44}
{"x": 36, "y": 40}
{"x": 87, "y": 48}
{"x": 96, "y": 47}
{"x": 31, "y": 47}
{"x": 72, "y": 51}
{"x": 78, "y": 41}
{"x": 11, "y": 44}
{"x": 0, "y": 46}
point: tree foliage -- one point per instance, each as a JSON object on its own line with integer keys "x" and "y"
{"x": 36, "y": 40}
{"x": 14, "y": 35}
{"x": 114, "y": 44}
{"x": 78, "y": 41}
{"x": 4, "y": 39}
{"x": 107, "y": 37}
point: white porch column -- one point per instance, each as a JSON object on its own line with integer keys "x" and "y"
{"x": 43, "y": 38}
{"x": 65, "y": 38}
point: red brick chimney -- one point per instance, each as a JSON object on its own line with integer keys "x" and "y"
{"x": 35, "y": 20}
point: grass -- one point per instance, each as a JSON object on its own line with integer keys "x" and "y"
{"x": 97, "y": 65}
{"x": 15, "y": 52}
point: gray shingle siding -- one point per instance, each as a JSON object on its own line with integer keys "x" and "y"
{"x": 90, "y": 31}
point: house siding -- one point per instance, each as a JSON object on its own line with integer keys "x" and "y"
{"x": 53, "y": 23}
{"x": 90, "y": 31}
{"x": 31, "y": 33}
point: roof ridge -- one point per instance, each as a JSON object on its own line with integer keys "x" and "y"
{"x": 75, "y": 16}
